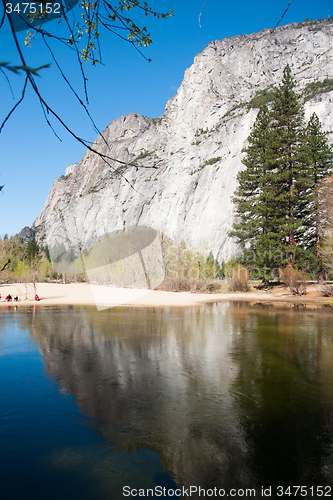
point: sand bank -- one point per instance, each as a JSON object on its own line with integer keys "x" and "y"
{"x": 104, "y": 296}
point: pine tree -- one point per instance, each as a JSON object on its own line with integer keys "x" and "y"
{"x": 255, "y": 229}
{"x": 319, "y": 166}
{"x": 270, "y": 189}
{"x": 288, "y": 157}
{"x": 326, "y": 211}
{"x": 277, "y": 199}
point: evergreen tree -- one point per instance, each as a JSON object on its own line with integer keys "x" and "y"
{"x": 319, "y": 166}
{"x": 256, "y": 229}
{"x": 277, "y": 200}
{"x": 289, "y": 175}
{"x": 326, "y": 211}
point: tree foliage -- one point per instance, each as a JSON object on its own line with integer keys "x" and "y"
{"x": 25, "y": 262}
{"x": 287, "y": 160}
{"x": 326, "y": 213}
{"x": 277, "y": 199}
{"x": 96, "y": 19}
{"x": 319, "y": 164}
{"x": 187, "y": 268}
{"x": 253, "y": 196}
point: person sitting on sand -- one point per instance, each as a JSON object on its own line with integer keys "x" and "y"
{"x": 36, "y": 297}
{"x": 16, "y": 298}
{"x": 9, "y": 298}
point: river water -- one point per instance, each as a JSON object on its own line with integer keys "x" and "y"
{"x": 230, "y": 396}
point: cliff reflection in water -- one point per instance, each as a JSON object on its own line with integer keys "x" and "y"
{"x": 228, "y": 394}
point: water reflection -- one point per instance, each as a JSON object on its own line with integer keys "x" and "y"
{"x": 229, "y": 395}
{"x": 286, "y": 375}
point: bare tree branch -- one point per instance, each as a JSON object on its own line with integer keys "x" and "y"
{"x": 70, "y": 86}
{"x": 77, "y": 53}
{"x": 91, "y": 16}
{"x": 8, "y": 81}
{"x": 277, "y": 24}
{"x": 202, "y": 8}
{"x": 16, "y": 105}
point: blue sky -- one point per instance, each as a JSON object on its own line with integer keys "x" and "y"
{"x": 31, "y": 157}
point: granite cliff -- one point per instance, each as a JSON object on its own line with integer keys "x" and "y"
{"x": 190, "y": 156}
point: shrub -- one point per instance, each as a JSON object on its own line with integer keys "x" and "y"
{"x": 238, "y": 280}
{"x": 295, "y": 280}
{"x": 261, "y": 97}
{"x": 325, "y": 290}
{"x": 211, "y": 161}
{"x": 315, "y": 88}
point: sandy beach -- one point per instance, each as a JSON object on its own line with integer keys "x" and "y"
{"x": 104, "y": 296}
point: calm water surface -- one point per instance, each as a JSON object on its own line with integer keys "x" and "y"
{"x": 221, "y": 395}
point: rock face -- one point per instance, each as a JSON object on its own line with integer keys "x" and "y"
{"x": 190, "y": 156}
{"x": 26, "y": 234}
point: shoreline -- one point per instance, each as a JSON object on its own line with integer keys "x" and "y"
{"x": 103, "y": 297}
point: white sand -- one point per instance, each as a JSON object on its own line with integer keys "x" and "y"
{"x": 104, "y": 297}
